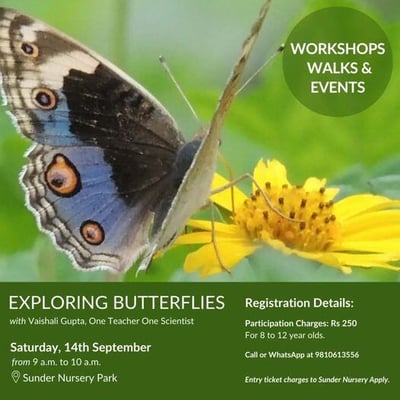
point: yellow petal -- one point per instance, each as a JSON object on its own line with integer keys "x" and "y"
{"x": 234, "y": 235}
{"x": 274, "y": 172}
{"x": 230, "y": 253}
{"x": 358, "y": 204}
{"x": 314, "y": 184}
{"x": 344, "y": 261}
{"x": 193, "y": 238}
{"x": 366, "y": 260}
{"x": 221, "y": 227}
{"x": 224, "y": 198}
{"x": 371, "y": 246}
{"x": 367, "y": 225}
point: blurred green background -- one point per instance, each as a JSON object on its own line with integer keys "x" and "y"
{"x": 200, "y": 41}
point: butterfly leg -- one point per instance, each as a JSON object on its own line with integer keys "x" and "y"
{"x": 214, "y": 242}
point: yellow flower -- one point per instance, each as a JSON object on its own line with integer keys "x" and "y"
{"x": 357, "y": 231}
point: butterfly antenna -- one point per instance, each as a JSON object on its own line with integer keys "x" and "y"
{"x": 164, "y": 64}
{"x": 276, "y": 53}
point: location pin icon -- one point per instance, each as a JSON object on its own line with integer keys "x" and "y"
{"x": 15, "y": 375}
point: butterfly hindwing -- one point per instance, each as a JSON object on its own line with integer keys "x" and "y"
{"x": 71, "y": 192}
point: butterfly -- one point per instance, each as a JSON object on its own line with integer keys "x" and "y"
{"x": 110, "y": 177}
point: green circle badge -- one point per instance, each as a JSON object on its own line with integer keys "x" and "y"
{"x": 337, "y": 61}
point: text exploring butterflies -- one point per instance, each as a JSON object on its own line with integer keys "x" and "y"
{"x": 141, "y": 302}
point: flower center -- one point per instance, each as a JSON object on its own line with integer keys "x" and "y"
{"x": 310, "y": 224}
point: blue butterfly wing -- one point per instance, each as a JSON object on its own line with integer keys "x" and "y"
{"x": 91, "y": 121}
{"x": 88, "y": 218}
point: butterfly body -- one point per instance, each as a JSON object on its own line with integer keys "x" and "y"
{"x": 110, "y": 177}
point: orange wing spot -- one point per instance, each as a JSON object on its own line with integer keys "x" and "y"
{"x": 92, "y": 232}
{"x": 62, "y": 177}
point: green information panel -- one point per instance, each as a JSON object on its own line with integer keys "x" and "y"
{"x": 211, "y": 340}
